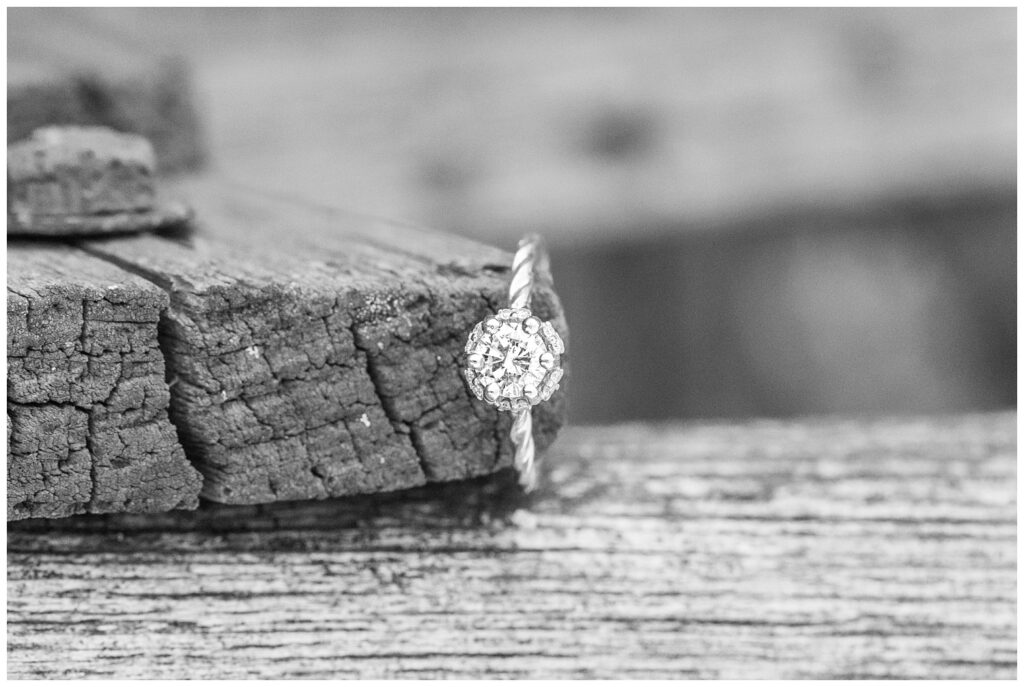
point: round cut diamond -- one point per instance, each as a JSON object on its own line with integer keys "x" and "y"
{"x": 513, "y": 360}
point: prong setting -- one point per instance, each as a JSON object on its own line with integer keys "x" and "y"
{"x": 513, "y": 360}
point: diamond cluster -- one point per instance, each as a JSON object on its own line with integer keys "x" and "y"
{"x": 514, "y": 359}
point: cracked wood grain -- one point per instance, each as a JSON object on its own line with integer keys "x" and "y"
{"x": 315, "y": 353}
{"x": 815, "y": 549}
{"x": 86, "y": 398}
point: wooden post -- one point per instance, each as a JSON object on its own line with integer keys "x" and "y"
{"x": 87, "y": 425}
{"x": 310, "y": 353}
{"x": 815, "y": 549}
{"x": 317, "y": 353}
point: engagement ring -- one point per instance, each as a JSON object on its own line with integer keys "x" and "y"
{"x": 514, "y": 358}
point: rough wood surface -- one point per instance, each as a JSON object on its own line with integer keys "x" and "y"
{"x": 827, "y": 549}
{"x": 86, "y": 397}
{"x": 316, "y": 353}
{"x": 62, "y": 70}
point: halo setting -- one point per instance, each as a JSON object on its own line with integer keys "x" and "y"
{"x": 513, "y": 359}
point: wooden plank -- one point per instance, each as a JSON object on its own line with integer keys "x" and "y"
{"x": 818, "y": 549}
{"x": 86, "y": 398}
{"x": 62, "y": 70}
{"x": 317, "y": 353}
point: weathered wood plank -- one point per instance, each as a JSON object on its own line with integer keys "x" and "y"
{"x": 63, "y": 70}
{"x": 825, "y": 549}
{"x": 86, "y": 397}
{"x": 317, "y": 353}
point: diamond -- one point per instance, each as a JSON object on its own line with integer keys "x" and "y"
{"x": 474, "y": 336}
{"x": 514, "y": 360}
{"x": 552, "y": 337}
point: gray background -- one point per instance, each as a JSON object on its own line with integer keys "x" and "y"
{"x": 756, "y": 212}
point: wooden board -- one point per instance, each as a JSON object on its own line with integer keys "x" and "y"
{"x": 62, "y": 70}
{"x": 87, "y": 402}
{"x": 310, "y": 353}
{"x": 825, "y": 549}
{"x": 316, "y": 353}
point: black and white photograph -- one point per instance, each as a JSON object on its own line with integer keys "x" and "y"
{"x": 488, "y": 343}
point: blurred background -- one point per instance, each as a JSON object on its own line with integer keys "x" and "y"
{"x": 752, "y": 212}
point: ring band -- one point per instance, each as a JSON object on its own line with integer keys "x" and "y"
{"x": 514, "y": 359}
